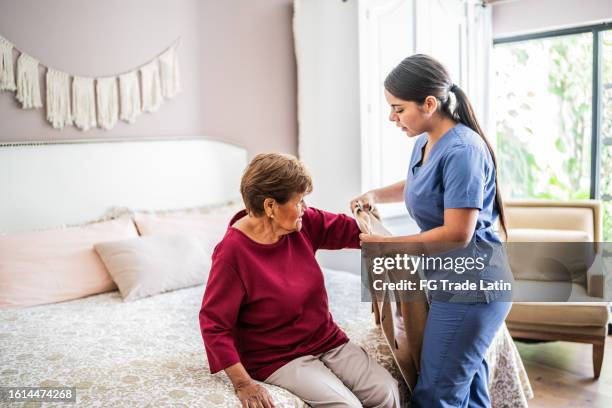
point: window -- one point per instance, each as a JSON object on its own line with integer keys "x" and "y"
{"x": 553, "y": 107}
{"x": 605, "y": 171}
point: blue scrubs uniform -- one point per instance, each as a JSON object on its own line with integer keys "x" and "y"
{"x": 459, "y": 173}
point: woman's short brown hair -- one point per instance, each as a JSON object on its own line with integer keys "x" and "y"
{"x": 273, "y": 175}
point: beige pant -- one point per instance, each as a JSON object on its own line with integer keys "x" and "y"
{"x": 342, "y": 377}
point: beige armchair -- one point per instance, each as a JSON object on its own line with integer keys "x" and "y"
{"x": 585, "y": 321}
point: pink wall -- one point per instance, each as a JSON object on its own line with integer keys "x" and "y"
{"x": 237, "y": 65}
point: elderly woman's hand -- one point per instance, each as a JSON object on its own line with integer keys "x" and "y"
{"x": 253, "y": 395}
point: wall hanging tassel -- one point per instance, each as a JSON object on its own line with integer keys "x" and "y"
{"x": 28, "y": 88}
{"x": 129, "y": 93}
{"x": 151, "y": 87}
{"x": 90, "y": 102}
{"x": 169, "y": 72}
{"x": 58, "y": 98}
{"x": 7, "y": 76}
{"x": 83, "y": 103}
{"x": 107, "y": 98}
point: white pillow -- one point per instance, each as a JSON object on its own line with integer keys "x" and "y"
{"x": 208, "y": 228}
{"x": 147, "y": 266}
{"x": 230, "y": 207}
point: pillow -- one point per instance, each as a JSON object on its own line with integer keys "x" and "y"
{"x": 228, "y": 207}
{"x": 147, "y": 266}
{"x": 546, "y": 235}
{"x": 549, "y": 254}
{"x": 56, "y": 265}
{"x": 209, "y": 228}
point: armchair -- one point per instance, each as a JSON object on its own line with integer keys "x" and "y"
{"x": 585, "y": 321}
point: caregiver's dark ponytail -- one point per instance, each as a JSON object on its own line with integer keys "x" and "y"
{"x": 420, "y": 76}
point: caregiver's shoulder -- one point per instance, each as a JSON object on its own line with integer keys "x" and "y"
{"x": 466, "y": 138}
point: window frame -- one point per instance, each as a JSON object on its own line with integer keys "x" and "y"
{"x": 596, "y": 137}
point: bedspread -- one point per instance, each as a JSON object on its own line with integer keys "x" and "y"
{"x": 149, "y": 353}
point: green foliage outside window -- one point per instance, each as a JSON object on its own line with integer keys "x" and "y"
{"x": 543, "y": 111}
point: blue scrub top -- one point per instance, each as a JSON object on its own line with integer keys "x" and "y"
{"x": 459, "y": 173}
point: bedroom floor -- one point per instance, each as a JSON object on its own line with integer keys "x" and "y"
{"x": 561, "y": 375}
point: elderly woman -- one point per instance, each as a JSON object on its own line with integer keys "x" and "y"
{"x": 265, "y": 313}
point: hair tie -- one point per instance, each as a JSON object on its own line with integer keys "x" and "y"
{"x": 453, "y": 88}
{"x": 452, "y": 102}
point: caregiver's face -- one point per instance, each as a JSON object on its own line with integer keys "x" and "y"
{"x": 408, "y": 115}
{"x": 288, "y": 216}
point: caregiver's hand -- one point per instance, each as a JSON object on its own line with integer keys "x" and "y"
{"x": 372, "y": 238}
{"x": 253, "y": 395}
{"x": 366, "y": 201}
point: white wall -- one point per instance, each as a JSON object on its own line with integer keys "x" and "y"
{"x": 328, "y": 100}
{"x": 344, "y": 51}
{"x": 515, "y": 17}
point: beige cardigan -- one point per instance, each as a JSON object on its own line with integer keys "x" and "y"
{"x": 402, "y": 323}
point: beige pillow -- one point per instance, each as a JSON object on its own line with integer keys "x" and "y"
{"x": 549, "y": 254}
{"x": 209, "y": 228}
{"x": 147, "y": 266}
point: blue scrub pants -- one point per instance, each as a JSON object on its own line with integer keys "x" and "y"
{"x": 454, "y": 372}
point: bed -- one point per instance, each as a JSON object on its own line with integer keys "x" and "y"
{"x": 149, "y": 352}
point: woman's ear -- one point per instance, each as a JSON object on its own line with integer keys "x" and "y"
{"x": 268, "y": 206}
{"x": 430, "y": 105}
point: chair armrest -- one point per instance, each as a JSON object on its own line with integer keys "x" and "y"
{"x": 596, "y": 276}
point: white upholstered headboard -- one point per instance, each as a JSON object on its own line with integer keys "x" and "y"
{"x": 53, "y": 184}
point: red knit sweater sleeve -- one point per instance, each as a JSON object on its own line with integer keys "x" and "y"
{"x": 330, "y": 231}
{"x": 220, "y": 306}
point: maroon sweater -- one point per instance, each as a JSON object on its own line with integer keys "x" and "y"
{"x": 265, "y": 305}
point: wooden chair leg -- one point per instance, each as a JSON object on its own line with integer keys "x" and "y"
{"x": 598, "y": 355}
{"x": 376, "y": 312}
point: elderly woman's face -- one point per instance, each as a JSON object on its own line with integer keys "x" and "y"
{"x": 288, "y": 216}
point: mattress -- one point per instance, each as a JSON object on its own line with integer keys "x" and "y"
{"x": 149, "y": 353}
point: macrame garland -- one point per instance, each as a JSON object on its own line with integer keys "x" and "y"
{"x": 58, "y": 98}
{"x": 129, "y": 93}
{"x": 151, "y": 87}
{"x": 7, "y": 76}
{"x": 28, "y": 88}
{"x": 83, "y": 103}
{"x": 88, "y": 102}
{"x": 107, "y": 98}
{"x": 169, "y": 73}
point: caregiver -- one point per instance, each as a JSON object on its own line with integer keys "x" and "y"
{"x": 451, "y": 191}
